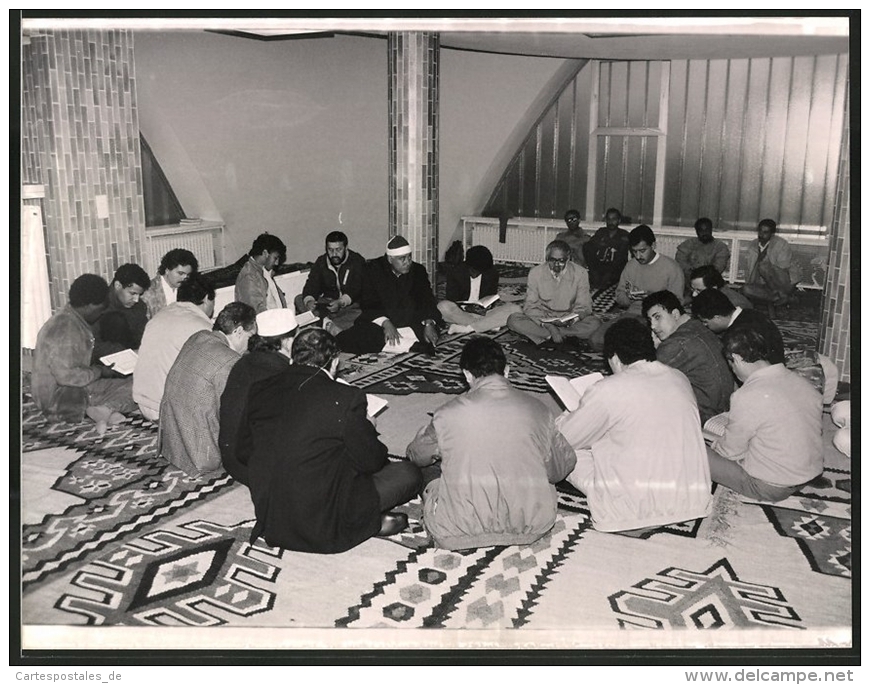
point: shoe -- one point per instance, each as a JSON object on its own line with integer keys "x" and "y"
{"x": 392, "y": 523}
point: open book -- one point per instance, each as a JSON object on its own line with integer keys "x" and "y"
{"x": 123, "y": 362}
{"x": 408, "y": 338}
{"x": 374, "y": 404}
{"x": 485, "y": 302}
{"x": 570, "y": 391}
{"x": 715, "y": 426}
{"x": 564, "y": 319}
{"x": 306, "y": 318}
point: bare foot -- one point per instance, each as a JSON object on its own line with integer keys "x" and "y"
{"x": 116, "y": 418}
{"x": 100, "y": 415}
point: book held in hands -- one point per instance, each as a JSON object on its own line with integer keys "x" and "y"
{"x": 714, "y": 427}
{"x": 483, "y": 302}
{"x": 562, "y": 320}
{"x": 571, "y": 390}
{"x": 123, "y": 362}
{"x": 306, "y": 318}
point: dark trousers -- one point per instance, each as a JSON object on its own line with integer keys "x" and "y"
{"x": 397, "y": 483}
{"x": 361, "y": 338}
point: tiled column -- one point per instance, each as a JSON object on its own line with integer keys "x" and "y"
{"x": 835, "y": 329}
{"x": 80, "y": 131}
{"x": 413, "y": 94}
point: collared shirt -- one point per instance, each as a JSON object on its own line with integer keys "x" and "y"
{"x": 474, "y": 293}
{"x": 169, "y": 292}
{"x": 775, "y": 427}
{"x": 734, "y": 315}
{"x": 273, "y": 299}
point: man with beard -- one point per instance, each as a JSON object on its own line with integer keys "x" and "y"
{"x": 334, "y": 285}
{"x": 396, "y": 294}
{"x": 606, "y": 252}
{"x": 647, "y": 273}
{"x": 703, "y": 250}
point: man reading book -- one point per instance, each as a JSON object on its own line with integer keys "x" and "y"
{"x": 556, "y": 288}
{"x": 469, "y": 282}
{"x": 641, "y": 460}
{"x": 772, "y": 443}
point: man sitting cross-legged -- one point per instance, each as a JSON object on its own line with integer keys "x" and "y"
{"x": 334, "y": 285}
{"x": 66, "y": 386}
{"x": 687, "y": 345}
{"x": 496, "y": 455}
{"x": 396, "y": 294}
{"x": 190, "y": 408}
{"x": 772, "y": 443}
{"x": 319, "y": 476}
{"x": 641, "y": 459}
{"x": 121, "y": 326}
{"x": 557, "y": 288}
{"x": 475, "y": 278}
{"x": 268, "y": 355}
{"x": 647, "y": 272}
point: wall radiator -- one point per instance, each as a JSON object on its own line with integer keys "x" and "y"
{"x": 205, "y": 239}
{"x": 526, "y": 242}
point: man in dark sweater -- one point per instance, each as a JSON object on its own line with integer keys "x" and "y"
{"x": 334, "y": 284}
{"x": 606, "y": 252}
{"x": 685, "y": 344}
{"x": 122, "y": 324}
{"x": 396, "y": 294}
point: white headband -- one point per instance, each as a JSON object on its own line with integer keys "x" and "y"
{"x": 399, "y": 251}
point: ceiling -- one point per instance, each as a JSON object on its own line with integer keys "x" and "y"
{"x": 672, "y": 37}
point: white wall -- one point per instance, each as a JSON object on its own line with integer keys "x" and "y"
{"x": 291, "y": 137}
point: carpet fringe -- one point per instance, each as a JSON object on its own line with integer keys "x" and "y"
{"x": 717, "y": 527}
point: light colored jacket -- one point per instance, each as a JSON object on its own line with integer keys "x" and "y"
{"x": 648, "y": 455}
{"x": 164, "y": 336}
{"x": 252, "y": 287}
{"x": 500, "y": 455}
{"x": 779, "y": 254}
{"x": 190, "y": 410}
{"x": 547, "y": 296}
{"x": 154, "y": 298}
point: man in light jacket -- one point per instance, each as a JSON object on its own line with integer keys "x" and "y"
{"x": 498, "y": 454}
{"x": 641, "y": 459}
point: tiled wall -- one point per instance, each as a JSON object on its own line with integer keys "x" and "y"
{"x": 80, "y": 133}
{"x": 413, "y": 100}
{"x": 836, "y": 329}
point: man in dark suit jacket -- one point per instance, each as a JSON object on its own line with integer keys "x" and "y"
{"x": 318, "y": 474}
{"x": 396, "y": 294}
{"x": 717, "y": 313}
{"x": 268, "y": 355}
{"x": 474, "y": 279}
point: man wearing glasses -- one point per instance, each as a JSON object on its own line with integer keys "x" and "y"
{"x": 558, "y": 303}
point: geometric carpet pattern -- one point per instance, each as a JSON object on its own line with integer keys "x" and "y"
{"x": 201, "y": 574}
{"x": 493, "y": 587}
{"x": 710, "y": 599}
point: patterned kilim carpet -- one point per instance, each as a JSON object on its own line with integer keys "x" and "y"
{"x": 114, "y": 536}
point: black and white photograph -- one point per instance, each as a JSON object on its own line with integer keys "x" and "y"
{"x": 514, "y": 332}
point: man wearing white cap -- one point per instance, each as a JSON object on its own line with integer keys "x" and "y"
{"x": 396, "y": 294}
{"x": 268, "y": 355}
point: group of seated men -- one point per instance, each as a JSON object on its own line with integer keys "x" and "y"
{"x": 255, "y": 394}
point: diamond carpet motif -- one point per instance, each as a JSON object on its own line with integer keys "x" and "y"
{"x": 199, "y": 574}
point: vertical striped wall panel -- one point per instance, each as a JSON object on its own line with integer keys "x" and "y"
{"x": 746, "y": 139}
